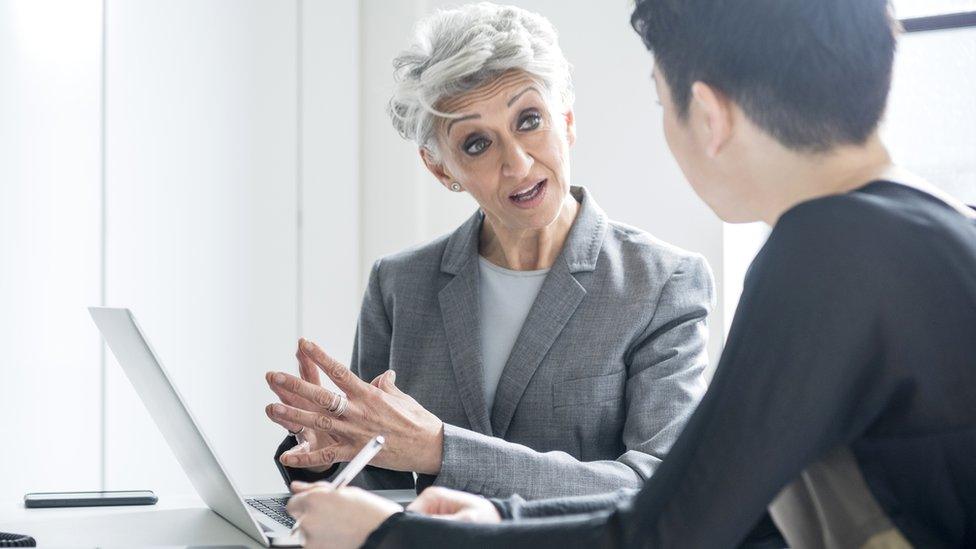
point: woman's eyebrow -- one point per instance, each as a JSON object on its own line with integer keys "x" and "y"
{"x": 468, "y": 117}
{"x": 519, "y": 94}
{"x": 510, "y": 102}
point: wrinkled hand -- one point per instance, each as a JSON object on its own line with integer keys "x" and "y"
{"x": 414, "y": 436}
{"x": 454, "y": 505}
{"x": 309, "y": 440}
{"x": 337, "y": 518}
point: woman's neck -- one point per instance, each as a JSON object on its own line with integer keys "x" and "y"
{"x": 527, "y": 249}
{"x": 810, "y": 177}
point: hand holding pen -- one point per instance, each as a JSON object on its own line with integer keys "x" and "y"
{"x": 318, "y": 509}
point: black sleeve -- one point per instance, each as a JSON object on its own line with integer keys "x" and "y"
{"x": 799, "y": 376}
{"x": 410, "y": 530}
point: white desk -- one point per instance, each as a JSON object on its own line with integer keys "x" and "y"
{"x": 173, "y": 521}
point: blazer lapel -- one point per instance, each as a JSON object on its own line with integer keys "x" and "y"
{"x": 558, "y": 299}
{"x": 460, "y": 310}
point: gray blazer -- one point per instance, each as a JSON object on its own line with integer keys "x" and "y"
{"x": 602, "y": 378}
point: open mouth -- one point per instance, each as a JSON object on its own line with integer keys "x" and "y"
{"x": 531, "y": 196}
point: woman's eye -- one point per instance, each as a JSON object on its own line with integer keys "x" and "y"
{"x": 476, "y": 146}
{"x": 530, "y": 121}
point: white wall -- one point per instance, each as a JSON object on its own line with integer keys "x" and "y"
{"x": 232, "y": 212}
{"x": 399, "y": 199}
{"x": 230, "y": 223}
{"x": 50, "y": 244}
{"x": 620, "y": 153}
{"x": 201, "y": 183}
{"x": 329, "y": 181}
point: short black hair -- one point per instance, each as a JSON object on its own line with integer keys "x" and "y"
{"x": 812, "y": 73}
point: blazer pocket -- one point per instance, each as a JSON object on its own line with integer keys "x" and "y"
{"x": 589, "y": 390}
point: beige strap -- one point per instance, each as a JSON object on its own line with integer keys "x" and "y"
{"x": 889, "y": 539}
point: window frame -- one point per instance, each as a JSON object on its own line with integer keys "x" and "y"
{"x": 941, "y": 21}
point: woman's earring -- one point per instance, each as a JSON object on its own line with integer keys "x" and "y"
{"x": 456, "y": 187}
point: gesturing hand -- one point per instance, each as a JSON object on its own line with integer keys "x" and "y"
{"x": 414, "y": 436}
{"x": 309, "y": 439}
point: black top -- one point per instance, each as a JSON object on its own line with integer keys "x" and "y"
{"x": 856, "y": 328}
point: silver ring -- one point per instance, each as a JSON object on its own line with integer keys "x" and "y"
{"x": 341, "y": 407}
{"x": 296, "y": 433}
{"x": 335, "y": 403}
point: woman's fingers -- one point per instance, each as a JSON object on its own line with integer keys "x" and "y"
{"x": 293, "y": 427}
{"x": 306, "y": 367}
{"x": 467, "y": 515}
{"x": 288, "y": 397}
{"x": 454, "y": 505}
{"x": 321, "y": 398}
{"x": 389, "y": 384}
{"x": 298, "y": 504}
{"x": 323, "y": 457}
{"x": 300, "y": 456}
{"x": 298, "y": 486}
{"x": 304, "y": 418}
{"x": 377, "y": 380}
{"x": 436, "y": 500}
{"x": 384, "y": 382}
{"x": 337, "y": 372}
{"x": 341, "y": 517}
{"x": 427, "y": 503}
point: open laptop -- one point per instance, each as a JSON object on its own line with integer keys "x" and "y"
{"x": 261, "y": 517}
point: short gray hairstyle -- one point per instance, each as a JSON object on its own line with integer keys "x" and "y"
{"x": 458, "y": 50}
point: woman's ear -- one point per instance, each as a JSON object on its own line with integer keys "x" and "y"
{"x": 570, "y": 117}
{"x": 436, "y": 168}
{"x": 716, "y": 112}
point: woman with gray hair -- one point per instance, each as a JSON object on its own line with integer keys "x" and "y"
{"x": 539, "y": 349}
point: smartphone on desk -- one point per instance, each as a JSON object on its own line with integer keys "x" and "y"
{"x": 89, "y": 499}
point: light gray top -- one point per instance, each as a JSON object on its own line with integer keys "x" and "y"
{"x": 506, "y": 297}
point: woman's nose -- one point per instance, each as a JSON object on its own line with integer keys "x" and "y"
{"x": 516, "y": 161}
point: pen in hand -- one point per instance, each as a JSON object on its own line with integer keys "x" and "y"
{"x": 352, "y": 469}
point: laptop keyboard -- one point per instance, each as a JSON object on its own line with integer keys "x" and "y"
{"x": 274, "y": 508}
